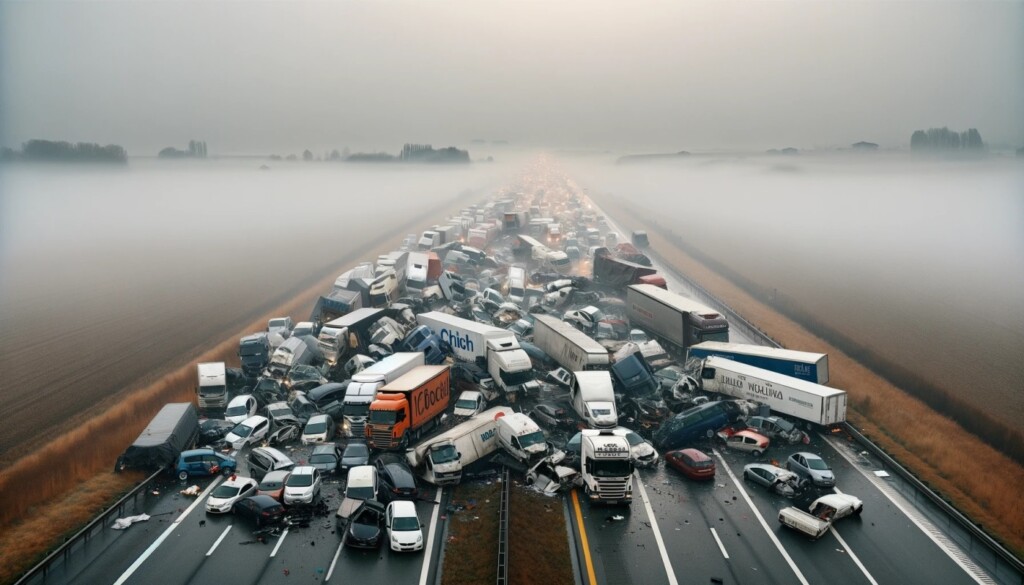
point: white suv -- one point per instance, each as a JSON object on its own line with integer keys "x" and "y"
{"x": 303, "y": 486}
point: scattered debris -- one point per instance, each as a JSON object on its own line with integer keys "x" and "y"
{"x": 124, "y": 523}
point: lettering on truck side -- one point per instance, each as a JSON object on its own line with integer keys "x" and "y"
{"x": 456, "y": 340}
{"x": 643, "y": 311}
{"x": 429, "y": 397}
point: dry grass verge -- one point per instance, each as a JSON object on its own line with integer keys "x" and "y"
{"x": 978, "y": 479}
{"x": 24, "y": 547}
{"x": 538, "y": 549}
{"x": 87, "y": 453}
{"x": 471, "y": 552}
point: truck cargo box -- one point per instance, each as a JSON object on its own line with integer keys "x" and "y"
{"x": 812, "y": 367}
{"x": 174, "y": 429}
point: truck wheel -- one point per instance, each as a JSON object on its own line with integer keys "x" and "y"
{"x": 858, "y": 511}
{"x": 403, "y": 444}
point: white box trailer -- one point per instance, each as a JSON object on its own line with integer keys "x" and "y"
{"x": 362, "y": 389}
{"x": 507, "y": 363}
{"x": 680, "y": 321}
{"x": 440, "y": 459}
{"x": 803, "y": 365}
{"x": 570, "y": 347}
{"x": 783, "y": 394}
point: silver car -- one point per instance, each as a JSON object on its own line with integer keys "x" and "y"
{"x": 812, "y": 467}
{"x": 777, "y": 479}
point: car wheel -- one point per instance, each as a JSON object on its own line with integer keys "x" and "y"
{"x": 183, "y": 476}
{"x": 858, "y": 511}
{"x": 709, "y": 433}
{"x": 226, "y": 471}
{"x": 756, "y": 452}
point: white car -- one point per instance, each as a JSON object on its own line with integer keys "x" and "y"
{"x": 403, "y": 525}
{"x": 249, "y": 431}
{"x": 561, "y": 376}
{"x": 470, "y": 402}
{"x": 303, "y": 486}
{"x": 240, "y": 408}
{"x": 832, "y": 507}
{"x": 224, "y": 497}
{"x": 319, "y": 429}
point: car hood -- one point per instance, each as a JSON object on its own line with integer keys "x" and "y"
{"x": 347, "y": 507}
{"x": 364, "y": 531}
{"x": 406, "y": 537}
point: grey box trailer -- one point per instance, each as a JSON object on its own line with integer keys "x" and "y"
{"x": 174, "y": 429}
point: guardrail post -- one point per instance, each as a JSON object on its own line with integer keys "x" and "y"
{"x": 502, "y": 577}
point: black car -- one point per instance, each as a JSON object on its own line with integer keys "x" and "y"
{"x": 366, "y": 529}
{"x": 213, "y": 430}
{"x": 356, "y": 453}
{"x": 397, "y": 481}
{"x": 551, "y": 417}
{"x": 262, "y": 510}
{"x": 326, "y": 458}
{"x": 328, "y": 392}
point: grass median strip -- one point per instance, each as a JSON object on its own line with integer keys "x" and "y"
{"x": 538, "y": 541}
{"x": 471, "y": 548}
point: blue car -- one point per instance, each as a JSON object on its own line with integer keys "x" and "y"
{"x": 204, "y": 462}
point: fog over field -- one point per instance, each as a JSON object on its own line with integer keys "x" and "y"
{"x": 919, "y": 260}
{"x": 111, "y": 274}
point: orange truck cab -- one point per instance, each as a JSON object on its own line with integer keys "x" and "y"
{"x": 408, "y": 407}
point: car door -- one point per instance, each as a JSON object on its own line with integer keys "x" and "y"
{"x": 762, "y": 476}
{"x": 260, "y": 431}
{"x": 316, "y": 481}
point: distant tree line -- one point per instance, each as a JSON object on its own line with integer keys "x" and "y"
{"x": 418, "y": 153}
{"x": 61, "y": 151}
{"x": 946, "y": 139}
{"x": 196, "y": 149}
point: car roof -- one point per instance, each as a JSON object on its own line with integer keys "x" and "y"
{"x": 317, "y": 417}
{"x": 695, "y": 454}
{"x": 769, "y": 466}
{"x": 276, "y": 475}
{"x": 807, "y": 455}
{"x": 239, "y": 481}
{"x": 403, "y": 508}
{"x": 749, "y": 433}
{"x": 303, "y": 470}
{"x": 264, "y": 501}
{"x": 361, "y": 473}
{"x": 274, "y": 453}
{"x": 254, "y": 420}
{"x": 240, "y": 399}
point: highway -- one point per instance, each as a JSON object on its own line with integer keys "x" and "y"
{"x": 183, "y": 544}
{"x": 676, "y": 531}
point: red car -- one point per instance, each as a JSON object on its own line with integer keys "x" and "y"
{"x": 692, "y": 463}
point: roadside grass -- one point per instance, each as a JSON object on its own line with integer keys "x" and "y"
{"x": 31, "y": 540}
{"x": 471, "y": 550}
{"x": 538, "y": 549}
{"x": 976, "y": 477}
{"x": 47, "y": 480}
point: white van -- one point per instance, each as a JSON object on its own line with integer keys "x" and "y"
{"x": 361, "y": 485}
{"x": 516, "y": 284}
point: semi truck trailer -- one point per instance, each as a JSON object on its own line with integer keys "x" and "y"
{"x": 571, "y": 348}
{"x": 441, "y": 459}
{"x": 812, "y": 367}
{"x": 470, "y": 341}
{"x": 786, "y": 395}
{"x": 408, "y": 407}
{"x": 362, "y": 389}
{"x": 679, "y": 321}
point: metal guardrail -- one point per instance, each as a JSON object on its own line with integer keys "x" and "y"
{"x": 502, "y": 577}
{"x": 1001, "y": 557}
{"x": 43, "y": 566}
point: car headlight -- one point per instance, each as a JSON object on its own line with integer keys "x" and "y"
{"x": 419, "y": 538}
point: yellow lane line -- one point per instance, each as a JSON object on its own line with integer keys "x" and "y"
{"x": 583, "y": 538}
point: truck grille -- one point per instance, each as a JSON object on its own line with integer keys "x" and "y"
{"x": 612, "y": 489}
{"x": 358, "y": 430}
{"x": 381, "y": 437}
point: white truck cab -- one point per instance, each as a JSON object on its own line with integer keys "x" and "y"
{"x": 606, "y": 467}
{"x": 521, "y": 437}
{"x": 593, "y": 398}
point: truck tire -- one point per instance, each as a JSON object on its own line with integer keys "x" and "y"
{"x": 403, "y": 443}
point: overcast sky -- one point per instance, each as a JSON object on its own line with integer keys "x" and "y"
{"x": 281, "y": 76}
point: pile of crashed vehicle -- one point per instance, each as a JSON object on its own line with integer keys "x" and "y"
{"x": 521, "y": 332}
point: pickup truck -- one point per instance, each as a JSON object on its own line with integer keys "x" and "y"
{"x": 823, "y": 512}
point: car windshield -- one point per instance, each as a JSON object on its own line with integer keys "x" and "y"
{"x": 226, "y": 491}
{"x": 609, "y": 468}
{"x": 359, "y": 493}
{"x": 669, "y": 374}
{"x": 279, "y": 411}
{"x": 236, "y": 410}
{"x": 271, "y": 485}
{"x": 634, "y": 439}
{"x": 600, "y": 411}
{"x": 405, "y": 523}
{"x": 785, "y": 425}
{"x": 277, "y": 323}
{"x": 241, "y": 430}
{"x": 444, "y": 454}
{"x": 316, "y": 428}
{"x": 382, "y": 417}
{"x": 466, "y": 403}
{"x": 817, "y": 464}
{"x": 301, "y": 480}
{"x": 534, "y": 438}
{"x": 356, "y": 409}
{"x": 322, "y": 458}
{"x": 357, "y": 450}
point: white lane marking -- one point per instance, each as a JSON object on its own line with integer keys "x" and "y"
{"x": 160, "y": 540}
{"x": 425, "y": 571}
{"x": 216, "y": 544}
{"x": 853, "y": 556}
{"x": 334, "y": 562}
{"x": 952, "y": 550}
{"x": 760, "y": 518}
{"x": 278, "y": 545}
{"x": 722, "y": 546}
{"x": 657, "y": 532}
